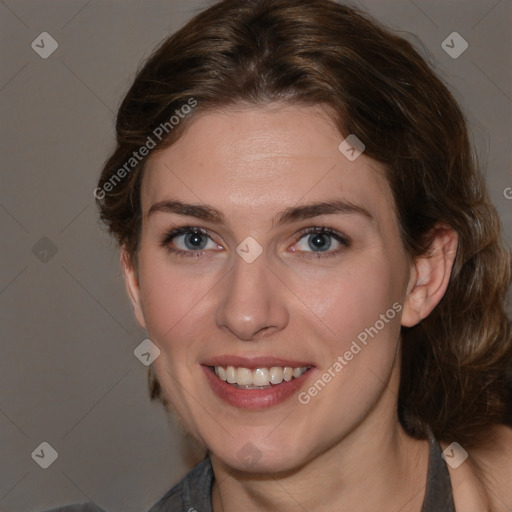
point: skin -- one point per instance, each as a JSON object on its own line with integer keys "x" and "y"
{"x": 482, "y": 483}
{"x": 345, "y": 449}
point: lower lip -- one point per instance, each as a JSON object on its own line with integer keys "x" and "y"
{"x": 254, "y": 399}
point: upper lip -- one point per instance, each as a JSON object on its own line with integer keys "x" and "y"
{"x": 254, "y": 362}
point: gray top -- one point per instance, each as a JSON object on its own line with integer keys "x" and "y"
{"x": 193, "y": 493}
{"x": 438, "y": 495}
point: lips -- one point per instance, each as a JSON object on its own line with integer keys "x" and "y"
{"x": 230, "y": 379}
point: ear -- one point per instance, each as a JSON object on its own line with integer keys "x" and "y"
{"x": 131, "y": 280}
{"x": 430, "y": 275}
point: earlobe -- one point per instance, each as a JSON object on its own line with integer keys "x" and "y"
{"x": 430, "y": 276}
{"x": 132, "y": 286}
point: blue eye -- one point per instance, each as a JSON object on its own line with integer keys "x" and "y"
{"x": 193, "y": 241}
{"x": 319, "y": 242}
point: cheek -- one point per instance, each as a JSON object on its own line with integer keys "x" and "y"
{"x": 171, "y": 300}
{"x": 359, "y": 357}
{"x": 372, "y": 323}
{"x": 172, "y": 309}
{"x": 355, "y": 295}
{"x": 362, "y": 308}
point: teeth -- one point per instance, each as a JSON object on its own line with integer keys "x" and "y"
{"x": 260, "y": 377}
{"x": 244, "y": 377}
{"x": 276, "y": 375}
{"x": 231, "y": 375}
{"x": 297, "y": 372}
{"x": 221, "y": 373}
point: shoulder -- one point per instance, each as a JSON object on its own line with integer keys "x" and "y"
{"x": 493, "y": 464}
{"x": 191, "y": 493}
{"x": 482, "y": 482}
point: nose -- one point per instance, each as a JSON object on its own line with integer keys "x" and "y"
{"x": 252, "y": 303}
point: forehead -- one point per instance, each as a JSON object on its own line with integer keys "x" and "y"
{"x": 262, "y": 158}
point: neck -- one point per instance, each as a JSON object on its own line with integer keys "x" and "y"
{"x": 377, "y": 466}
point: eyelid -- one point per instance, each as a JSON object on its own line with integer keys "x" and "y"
{"x": 170, "y": 235}
{"x": 340, "y": 237}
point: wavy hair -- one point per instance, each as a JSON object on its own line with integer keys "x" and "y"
{"x": 456, "y": 369}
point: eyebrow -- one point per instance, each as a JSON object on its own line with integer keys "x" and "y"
{"x": 291, "y": 214}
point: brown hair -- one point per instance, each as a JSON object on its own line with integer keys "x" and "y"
{"x": 456, "y": 374}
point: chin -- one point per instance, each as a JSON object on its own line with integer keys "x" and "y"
{"x": 250, "y": 457}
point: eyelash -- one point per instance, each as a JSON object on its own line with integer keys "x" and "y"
{"x": 169, "y": 237}
{"x": 344, "y": 241}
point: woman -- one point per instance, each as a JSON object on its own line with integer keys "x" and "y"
{"x": 307, "y": 239}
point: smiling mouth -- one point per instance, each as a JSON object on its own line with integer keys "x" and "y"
{"x": 259, "y": 378}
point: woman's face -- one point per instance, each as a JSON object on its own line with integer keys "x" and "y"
{"x": 259, "y": 289}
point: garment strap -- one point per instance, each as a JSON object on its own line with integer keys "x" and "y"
{"x": 438, "y": 494}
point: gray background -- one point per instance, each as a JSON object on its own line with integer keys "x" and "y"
{"x": 68, "y": 375}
